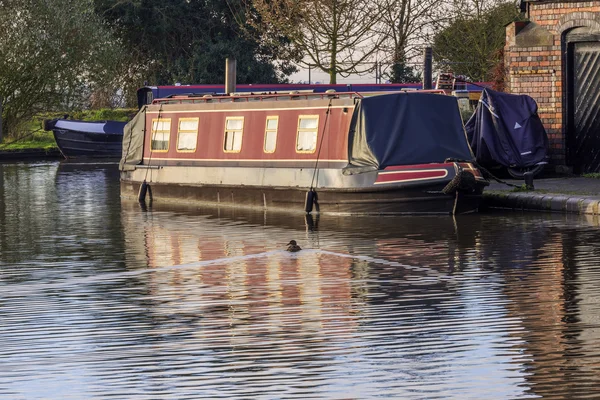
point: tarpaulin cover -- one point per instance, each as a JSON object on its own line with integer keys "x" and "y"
{"x": 133, "y": 141}
{"x": 405, "y": 129}
{"x": 506, "y": 129}
{"x": 107, "y": 127}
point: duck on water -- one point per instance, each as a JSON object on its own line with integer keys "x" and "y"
{"x": 293, "y": 247}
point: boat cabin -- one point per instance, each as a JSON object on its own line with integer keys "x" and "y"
{"x": 253, "y": 130}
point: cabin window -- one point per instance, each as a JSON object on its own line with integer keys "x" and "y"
{"x": 234, "y": 127}
{"x": 161, "y": 130}
{"x": 306, "y": 140}
{"x": 271, "y": 134}
{"x": 187, "y": 136}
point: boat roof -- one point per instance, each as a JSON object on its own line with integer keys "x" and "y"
{"x": 202, "y": 98}
{"x": 252, "y": 97}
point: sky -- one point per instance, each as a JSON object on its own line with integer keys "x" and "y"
{"x": 316, "y": 76}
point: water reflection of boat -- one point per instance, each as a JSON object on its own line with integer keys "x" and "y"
{"x": 237, "y": 278}
{"x": 76, "y": 177}
{"x": 90, "y": 188}
{"x": 428, "y": 228}
{"x": 245, "y": 263}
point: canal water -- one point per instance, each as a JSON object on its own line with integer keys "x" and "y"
{"x": 100, "y": 298}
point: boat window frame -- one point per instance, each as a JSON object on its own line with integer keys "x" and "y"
{"x": 241, "y": 132}
{"x": 179, "y": 131}
{"x": 153, "y": 132}
{"x": 267, "y": 130}
{"x": 316, "y": 130}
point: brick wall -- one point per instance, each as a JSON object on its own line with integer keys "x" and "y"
{"x": 534, "y": 62}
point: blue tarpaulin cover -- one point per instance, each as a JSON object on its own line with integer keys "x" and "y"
{"x": 506, "y": 129}
{"x": 405, "y": 129}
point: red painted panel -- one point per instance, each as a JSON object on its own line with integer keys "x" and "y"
{"x": 211, "y": 134}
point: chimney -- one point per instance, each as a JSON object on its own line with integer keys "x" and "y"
{"x": 427, "y": 67}
{"x": 230, "y": 78}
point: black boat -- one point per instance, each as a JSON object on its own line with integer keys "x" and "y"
{"x": 83, "y": 139}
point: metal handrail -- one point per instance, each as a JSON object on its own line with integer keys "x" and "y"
{"x": 274, "y": 97}
{"x": 254, "y": 97}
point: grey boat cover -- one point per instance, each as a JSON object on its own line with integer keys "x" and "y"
{"x": 405, "y": 129}
{"x": 107, "y": 127}
{"x": 133, "y": 141}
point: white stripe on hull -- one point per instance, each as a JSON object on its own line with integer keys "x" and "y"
{"x": 330, "y": 178}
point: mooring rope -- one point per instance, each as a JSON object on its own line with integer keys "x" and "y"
{"x": 316, "y": 169}
{"x": 487, "y": 174}
{"x": 151, "y": 133}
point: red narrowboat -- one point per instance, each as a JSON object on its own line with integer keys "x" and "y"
{"x": 392, "y": 153}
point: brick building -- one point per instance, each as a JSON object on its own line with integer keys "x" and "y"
{"x": 554, "y": 57}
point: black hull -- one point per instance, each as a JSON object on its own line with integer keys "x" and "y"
{"x": 87, "y": 139}
{"x": 419, "y": 200}
{"x": 75, "y": 144}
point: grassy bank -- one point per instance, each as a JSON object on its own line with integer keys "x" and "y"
{"x": 35, "y": 138}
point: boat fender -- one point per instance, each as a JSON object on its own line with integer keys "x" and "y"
{"x": 463, "y": 181}
{"x": 143, "y": 191}
{"x": 311, "y": 198}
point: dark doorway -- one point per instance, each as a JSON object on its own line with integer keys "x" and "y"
{"x": 583, "y": 100}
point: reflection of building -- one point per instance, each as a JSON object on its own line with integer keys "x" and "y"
{"x": 551, "y": 295}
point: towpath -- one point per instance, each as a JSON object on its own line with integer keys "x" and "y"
{"x": 564, "y": 194}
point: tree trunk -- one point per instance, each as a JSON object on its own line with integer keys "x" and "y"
{"x": 333, "y": 66}
{"x": 332, "y": 76}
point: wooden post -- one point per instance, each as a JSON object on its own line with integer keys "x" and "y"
{"x": 427, "y": 66}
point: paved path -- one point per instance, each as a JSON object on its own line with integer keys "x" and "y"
{"x": 570, "y": 194}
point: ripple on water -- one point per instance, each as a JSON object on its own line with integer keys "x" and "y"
{"x": 101, "y": 299}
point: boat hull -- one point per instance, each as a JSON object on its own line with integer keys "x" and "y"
{"x": 79, "y": 139}
{"x": 420, "y": 199}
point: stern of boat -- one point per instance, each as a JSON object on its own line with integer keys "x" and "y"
{"x": 454, "y": 187}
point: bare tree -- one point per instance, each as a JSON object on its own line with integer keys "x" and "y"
{"x": 336, "y": 36}
{"x": 408, "y": 25}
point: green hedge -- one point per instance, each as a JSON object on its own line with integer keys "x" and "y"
{"x": 103, "y": 114}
